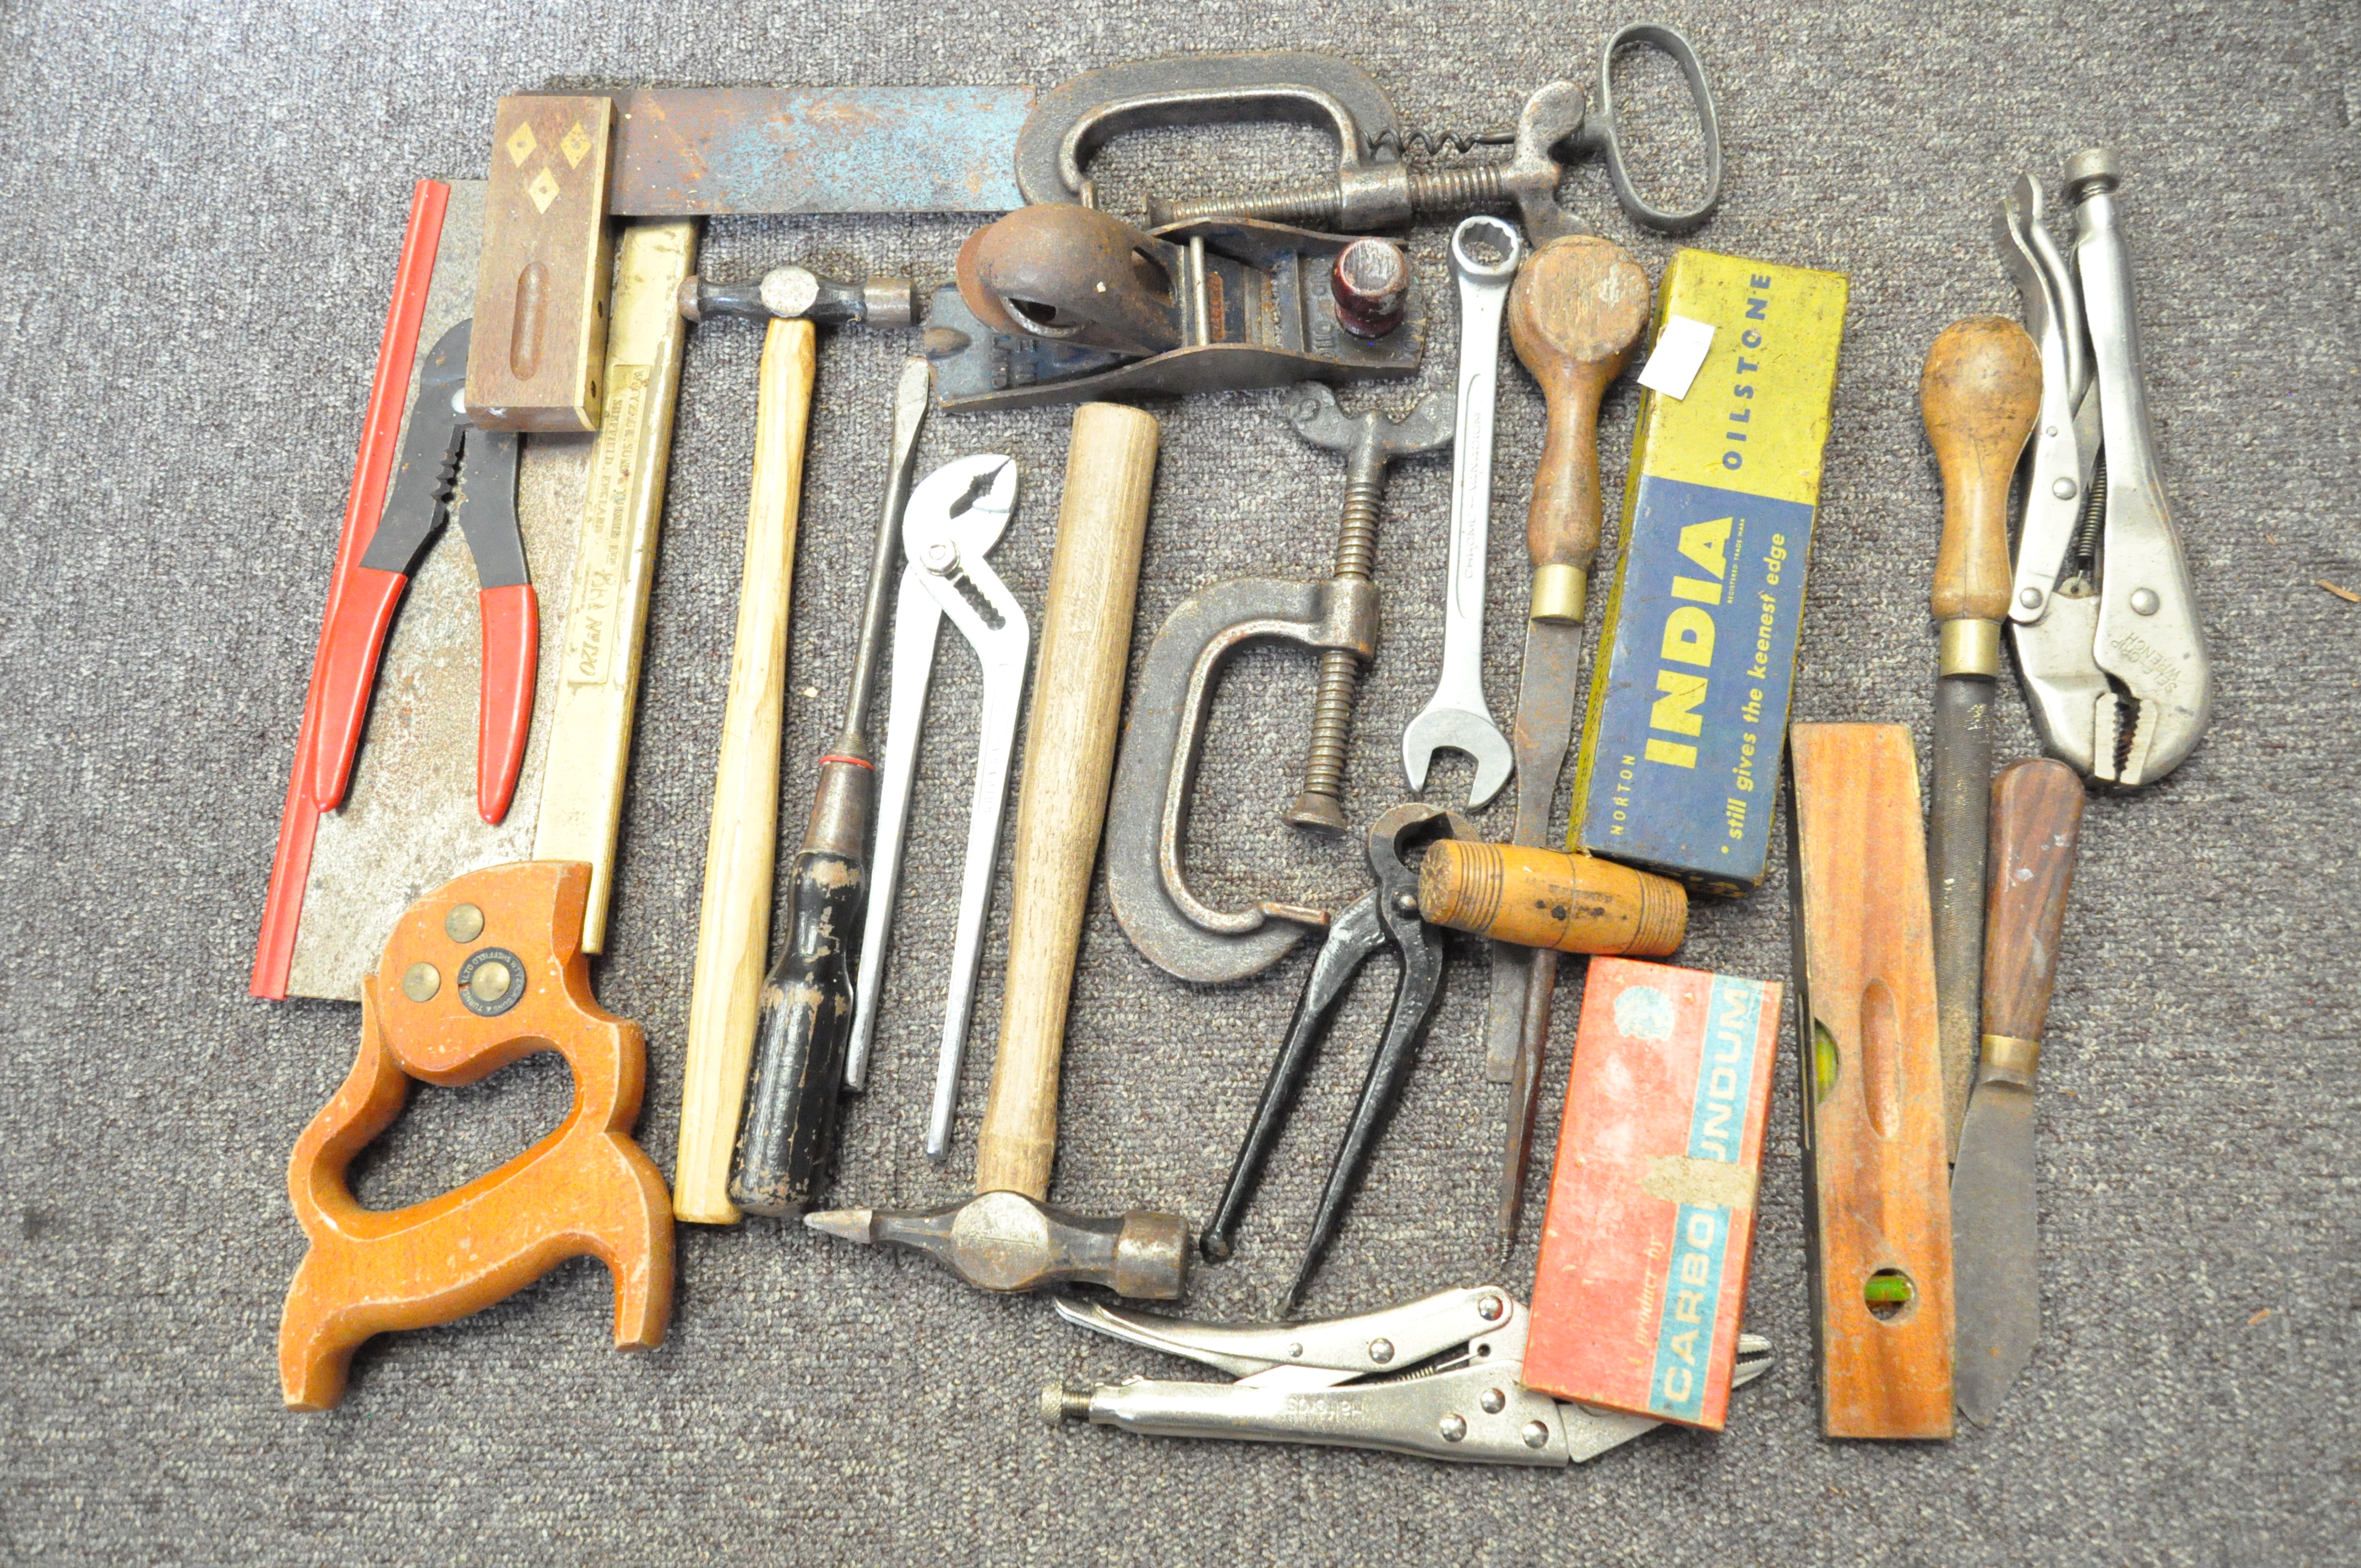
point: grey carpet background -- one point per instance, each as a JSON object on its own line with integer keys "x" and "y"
{"x": 203, "y": 203}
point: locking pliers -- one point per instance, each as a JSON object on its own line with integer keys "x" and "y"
{"x": 1436, "y": 1379}
{"x": 2102, "y": 612}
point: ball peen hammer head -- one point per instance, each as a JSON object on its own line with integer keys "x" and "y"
{"x": 1005, "y": 1241}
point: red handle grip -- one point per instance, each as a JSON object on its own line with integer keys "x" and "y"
{"x": 504, "y": 712}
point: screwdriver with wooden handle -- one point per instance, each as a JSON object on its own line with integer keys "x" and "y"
{"x": 1576, "y": 313}
{"x": 2036, "y": 814}
{"x": 789, "y": 1136}
{"x": 1980, "y": 393}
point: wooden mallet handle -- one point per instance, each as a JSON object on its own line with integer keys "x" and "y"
{"x": 2036, "y": 816}
{"x": 733, "y": 927}
{"x": 1980, "y": 393}
{"x": 1069, "y": 763}
{"x": 1576, "y": 313}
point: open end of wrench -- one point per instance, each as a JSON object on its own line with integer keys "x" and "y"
{"x": 1442, "y": 728}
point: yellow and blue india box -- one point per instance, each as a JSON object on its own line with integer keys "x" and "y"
{"x": 1688, "y": 699}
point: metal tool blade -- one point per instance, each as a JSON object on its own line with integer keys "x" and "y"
{"x": 690, "y": 152}
{"x": 917, "y": 622}
{"x": 1543, "y": 729}
{"x": 1995, "y": 1249}
{"x": 1957, "y": 824}
{"x": 1524, "y": 980}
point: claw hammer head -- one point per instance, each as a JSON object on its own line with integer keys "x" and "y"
{"x": 1005, "y": 1241}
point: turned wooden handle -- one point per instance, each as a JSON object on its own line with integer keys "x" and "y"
{"x": 1069, "y": 761}
{"x": 1980, "y": 394}
{"x": 2037, "y": 814}
{"x": 1576, "y": 313}
{"x": 733, "y": 925}
{"x": 1542, "y": 898}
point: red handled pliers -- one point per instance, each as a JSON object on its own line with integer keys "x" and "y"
{"x": 444, "y": 459}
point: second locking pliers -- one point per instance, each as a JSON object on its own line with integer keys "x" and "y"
{"x": 2101, "y": 611}
{"x": 1436, "y": 1379}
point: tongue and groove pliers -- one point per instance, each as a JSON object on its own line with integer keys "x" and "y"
{"x": 446, "y": 463}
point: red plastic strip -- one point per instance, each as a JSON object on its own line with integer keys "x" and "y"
{"x": 856, "y": 762}
{"x": 504, "y": 711}
{"x": 290, "y": 867}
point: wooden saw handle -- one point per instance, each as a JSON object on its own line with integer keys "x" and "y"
{"x": 2036, "y": 814}
{"x": 1576, "y": 313}
{"x": 1980, "y": 393}
{"x": 733, "y": 925}
{"x": 1069, "y": 763}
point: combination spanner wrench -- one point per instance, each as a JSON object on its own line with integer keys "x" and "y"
{"x": 955, "y": 517}
{"x": 1457, "y": 718}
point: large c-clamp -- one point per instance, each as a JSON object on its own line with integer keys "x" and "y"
{"x": 1156, "y": 776}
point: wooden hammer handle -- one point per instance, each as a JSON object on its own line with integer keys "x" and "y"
{"x": 2036, "y": 816}
{"x": 733, "y": 927}
{"x": 1069, "y": 763}
{"x": 1576, "y": 313}
{"x": 1980, "y": 393}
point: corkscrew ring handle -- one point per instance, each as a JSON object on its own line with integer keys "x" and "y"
{"x": 1599, "y": 131}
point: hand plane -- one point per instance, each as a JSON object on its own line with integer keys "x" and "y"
{"x": 1057, "y": 305}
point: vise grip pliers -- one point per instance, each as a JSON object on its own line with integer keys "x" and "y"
{"x": 1437, "y": 1378}
{"x": 2101, "y": 609}
{"x": 1387, "y": 916}
{"x": 954, "y": 518}
{"x": 446, "y": 459}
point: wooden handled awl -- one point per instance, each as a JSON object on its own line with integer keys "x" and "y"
{"x": 1980, "y": 393}
{"x": 1546, "y": 898}
{"x": 1877, "y": 1208}
{"x": 734, "y": 921}
{"x": 1576, "y": 313}
{"x": 2036, "y": 814}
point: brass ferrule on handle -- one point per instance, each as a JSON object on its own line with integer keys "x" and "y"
{"x": 2008, "y": 1060}
{"x": 1968, "y": 647}
{"x": 1561, "y": 592}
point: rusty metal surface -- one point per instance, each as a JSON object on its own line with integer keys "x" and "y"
{"x": 409, "y": 822}
{"x": 689, "y": 151}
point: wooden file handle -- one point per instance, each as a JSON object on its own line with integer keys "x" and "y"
{"x": 1068, "y": 761}
{"x": 1576, "y": 313}
{"x": 2037, "y": 814}
{"x": 733, "y": 924}
{"x": 1542, "y": 898}
{"x": 1980, "y": 393}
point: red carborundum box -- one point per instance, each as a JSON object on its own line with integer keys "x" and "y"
{"x": 1651, "y": 1220}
